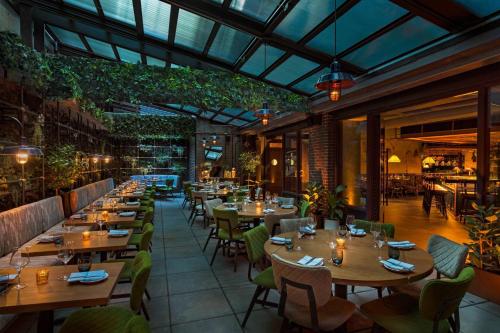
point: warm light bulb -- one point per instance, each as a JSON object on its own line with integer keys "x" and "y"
{"x": 274, "y": 162}
{"x": 265, "y": 121}
{"x": 335, "y": 92}
{"x": 22, "y": 157}
{"x": 106, "y": 160}
{"x": 95, "y": 159}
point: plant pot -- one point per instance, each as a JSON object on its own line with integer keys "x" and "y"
{"x": 486, "y": 285}
{"x": 331, "y": 224}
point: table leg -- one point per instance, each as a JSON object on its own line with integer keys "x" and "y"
{"x": 104, "y": 256}
{"x": 45, "y": 322}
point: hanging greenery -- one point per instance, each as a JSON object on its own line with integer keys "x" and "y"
{"x": 152, "y": 127}
{"x": 103, "y": 81}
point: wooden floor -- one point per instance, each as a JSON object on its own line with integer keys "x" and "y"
{"x": 412, "y": 223}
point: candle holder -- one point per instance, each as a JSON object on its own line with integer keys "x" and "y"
{"x": 337, "y": 256}
{"x": 341, "y": 243}
{"x": 86, "y": 235}
{"x": 42, "y": 276}
{"x": 104, "y": 215}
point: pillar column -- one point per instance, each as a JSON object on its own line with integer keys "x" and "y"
{"x": 26, "y": 21}
{"x": 39, "y": 35}
{"x": 373, "y": 167}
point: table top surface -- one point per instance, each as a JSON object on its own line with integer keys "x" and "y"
{"x": 120, "y": 206}
{"x": 113, "y": 218}
{"x": 360, "y": 266}
{"x": 96, "y": 243}
{"x": 252, "y": 210}
{"x": 57, "y": 294}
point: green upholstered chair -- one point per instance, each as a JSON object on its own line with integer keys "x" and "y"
{"x": 142, "y": 241}
{"x": 139, "y": 223}
{"x": 433, "y": 312}
{"x": 131, "y": 267}
{"x": 228, "y": 232}
{"x": 107, "y": 319}
{"x": 188, "y": 195}
{"x": 209, "y": 207}
{"x": 254, "y": 241}
{"x": 388, "y": 228}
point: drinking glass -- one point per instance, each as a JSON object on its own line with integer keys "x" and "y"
{"x": 312, "y": 225}
{"x": 337, "y": 256}
{"x": 65, "y": 254}
{"x": 268, "y": 196}
{"x": 349, "y": 221}
{"x": 100, "y": 222}
{"x": 380, "y": 240}
{"x": 375, "y": 229}
{"x": 19, "y": 262}
{"x": 84, "y": 263}
{"x": 299, "y": 236}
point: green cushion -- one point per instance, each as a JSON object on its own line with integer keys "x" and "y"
{"x": 137, "y": 224}
{"x": 400, "y": 313}
{"x": 265, "y": 279}
{"x": 107, "y": 319}
{"x": 237, "y": 234}
{"x": 135, "y": 239}
{"x": 388, "y": 228}
{"x": 254, "y": 241}
{"x": 126, "y": 273}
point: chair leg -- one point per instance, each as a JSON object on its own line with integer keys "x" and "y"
{"x": 215, "y": 251}
{"x": 284, "y": 326}
{"x": 379, "y": 292}
{"x": 145, "y": 310}
{"x": 352, "y": 289}
{"x": 208, "y": 239}
{"x": 147, "y": 294}
{"x": 256, "y": 295}
{"x": 236, "y": 253}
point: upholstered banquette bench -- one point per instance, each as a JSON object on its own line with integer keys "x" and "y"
{"x": 160, "y": 179}
{"x": 83, "y": 196}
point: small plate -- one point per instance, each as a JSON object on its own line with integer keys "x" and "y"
{"x": 359, "y": 235}
{"x": 400, "y": 271}
{"x": 117, "y": 235}
{"x": 94, "y": 281}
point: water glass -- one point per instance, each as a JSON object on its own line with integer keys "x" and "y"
{"x": 84, "y": 263}
{"x": 65, "y": 254}
{"x": 375, "y": 229}
{"x": 349, "y": 221}
{"x": 337, "y": 256}
{"x": 380, "y": 240}
{"x": 19, "y": 262}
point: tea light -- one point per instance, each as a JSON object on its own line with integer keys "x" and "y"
{"x": 340, "y": 243}
{"x": 42, "y": 276}
{"x": 86, "y": 235}
{"x": 104, "y": 214}
{"x": 258, "y": 204}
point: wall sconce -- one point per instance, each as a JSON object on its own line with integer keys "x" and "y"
{"x": 214, "y": 139}
{"x": 95, "y": 159}
{"x": 204, "y": 142}
{"x": 22, "y": 157}
{"x": 107, "y": 159}
{"x": 274, "y": 162}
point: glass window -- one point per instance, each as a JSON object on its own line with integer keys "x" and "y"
{"x": 259, "y": 10}
{"x": 494, "y": 184}
{"x": 131, "y": 44}
{"x": 128, "y": 56}
{"x": 232, "y": 111}
{"x": 238, "y": 122}
{"x": 354, "y": 160}
{"x": 255, "y": 64}
{"x": 290, "y": 162}
{"x": 293, "y": 68}
{"x": 304, "y": 159}
{"x": 192, "y": 30}
{"x": 404, "y": 38}
{"x": 304, "y": 17}
{"x": 155, "y": 62}
{"x": 308, "y": 84}
{"x": 156, "y": 18}
{"x": 68, "y": 37}
{"x": 101, "y": 48}
{"x": 90, "y": 30}
{"x": 84, "y": 4}
{"x": 120, "y": 10}
{"x": 190, "y": 108}
{"x": 222, "y": 118}
{"x": 229, "y": 44}
{"x": 250, "y": 116}
{"x": 481, "y": 7}
{"x": 359, "y": 22}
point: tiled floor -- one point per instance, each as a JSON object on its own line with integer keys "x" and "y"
{"x": 188, "y": 295}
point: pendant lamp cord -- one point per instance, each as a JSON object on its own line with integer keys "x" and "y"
{"x": 335, "y": 31}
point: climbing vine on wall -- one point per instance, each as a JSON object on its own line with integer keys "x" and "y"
{"x": 152, "y": 127}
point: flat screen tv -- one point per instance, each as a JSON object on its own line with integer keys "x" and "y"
{"x": 213, "y": 153}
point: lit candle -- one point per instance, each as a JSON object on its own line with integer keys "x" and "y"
{"x": 42, "y": 276}
{"x": 258, "y": 204}
{"x": 104, "y": 214}
{"x": 86, "y": 235}
{"x": 340, "y": 243}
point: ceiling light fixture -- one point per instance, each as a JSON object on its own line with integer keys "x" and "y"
{"x": 336, "y": 80}
{"x": 265, "y": 113}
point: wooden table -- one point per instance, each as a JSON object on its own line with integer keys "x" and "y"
{"x": 120, "y": 206}
{"x": 128, "y": 195}
{"x": 360, "y": 266}
{"x": 252, "y": 211}
{"x": 96, "y": 243}
{"x": 57, "y": 294}
{"x": 113, "y": 218}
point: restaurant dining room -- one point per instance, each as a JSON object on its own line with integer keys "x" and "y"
{"x": 228, "y": 166}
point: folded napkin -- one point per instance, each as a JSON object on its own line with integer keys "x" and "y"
{"x": 357, "y": 232}
{"x": 49, "y": 238}
{"x": 230, "y": 208}
{"x": 78, "y": 216}
{"x": 118, "y": 232}
{"x": 137, "y": 192}
{"x": 280, "y": 240}
{"x": 133, "y": 203}
{"x": 287, "y": 206}
{"x": 87, "y": 276}
{"x": 268, "y": 211}
{"x": 398, "y": 265}
{"x": 402, "y": 244}
{"x": 7, "y": 278}
{"x": 311, "y": 261}
{"x": 307, "y": 230}
{"x": 126, "y": 214}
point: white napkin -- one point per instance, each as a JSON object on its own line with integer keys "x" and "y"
{"x": 126, "y": 214}
{"x": 279, "y": 240}
{"x": 307, "y": 230}
{"x": 310, "y": 261}
{"x": 287, "y": 206}
{"x": 398, "y": 265}
{"x": 357, "y": 232}
{"x": 86, "y": 276}
{"x": 133, "y": 203}
{"x": 268, "y": 211}
{"x": 402, "y": 244}
{"x": 7, "y": 278}
{"x": 78, "y": 216}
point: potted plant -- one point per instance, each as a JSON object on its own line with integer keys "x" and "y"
{"x": 484, "y": 250}
{"x": 313, "y": 200}
{"x": 336, "y": 203}
{"x": 249, "y": 161}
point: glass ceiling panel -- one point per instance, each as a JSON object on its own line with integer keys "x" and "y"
{"x": 304, "y": 17}
{"x": 232, "y": 111}
{"x": 101, "y": 48}
{"x": 156, "y": 18}
{"x": 404, "y": 38}
{"x": 229, "y": 44}
{"x": 259, "y": 10}
{"x": 152, "y": 111}
{"x": 249, "y": 115}
{"x": 481, "y": 7}
{"x": 238, "y": 122}
{"x": 68, "y": 37}
{"x": 221, "y": 118}
{"x": 120, "y": 10}
{"x": 89, "y": 30}
{"x": 255, "y": 64}
{"x": 155, "y": 61}
{"x": 359, "y": 22}
{"x": 192, "y": 30}
{"x": 84, "y": 4}
{"x": 290, "y": 70}
{"x": 129, "y": 56}
{"x": 207, "y": 114}
{"x": 191, "y": 109}
{"x": 307, "y": 85}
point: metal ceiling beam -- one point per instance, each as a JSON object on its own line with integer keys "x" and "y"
{"x": 98, "y": 7}
{"x": 172, "y": 28}
{"x": 139, "y": 25}
{"x": 283, "y": 10}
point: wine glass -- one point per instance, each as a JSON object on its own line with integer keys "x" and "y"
{"x": 300, "y": 234}
{"x": 349, "y": 221}
{"x": 268, "y": 197}
{"x": 312, "y": 225}
{"x": 100, "y": 222}
{"x": 65, "y": 254}
{"x": 19, "y": 262}
{"x": 380, "y": 240}
{"x": 375, "y": 229}
{"x": 337, "y": 256}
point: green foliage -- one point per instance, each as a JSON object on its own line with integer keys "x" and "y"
{"x": 317, "y": 198}
{"x": 64, "y": 167}
{"x": 484, "y": 232}
{"x": 336, "y": 203}
{"x": 249, "y": 161}
{"x": 152, "y": 127}
{"x": 313, "y": 197}
{"x": 103, "y": 81}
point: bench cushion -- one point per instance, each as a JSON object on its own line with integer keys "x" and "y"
{"x": 83, "y": 196}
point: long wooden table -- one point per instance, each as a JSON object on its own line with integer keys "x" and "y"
{"x": 96, "y": 243}
{"x": 251, "y": 210}
{"x": 57, "y": 294}
{"x": 360, "y": 266}
{"x": 113, "y": 218}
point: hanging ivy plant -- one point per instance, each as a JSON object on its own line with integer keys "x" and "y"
{"x": 152, "y": 127}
